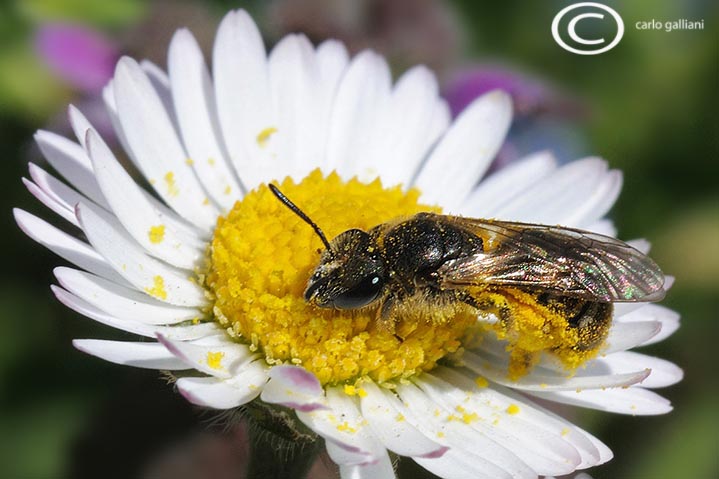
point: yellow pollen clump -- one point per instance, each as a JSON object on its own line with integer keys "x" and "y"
{"x": 263, "y": 137}
{"x": 512, "y": 409}
{"x": 469, "y": 418}
{"x": 481, "y": 382}
{"x": 261, "y": 257}
{"x": 156, "y": 234}
{"x": 158, "y": 288}
{"x": 172, "y": 189}
{"x": 214, "y": 359}
{"x": 345, "y": 427}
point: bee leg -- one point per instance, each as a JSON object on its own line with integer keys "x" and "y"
{"x": 385, "y": 317}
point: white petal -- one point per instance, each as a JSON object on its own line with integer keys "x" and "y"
{"x": 560, "y": 198}
{"x": 70, "y": 160}
{"x": 139, "y": 355}
{"x": 294, "y": 76}
{"x": 63, "y": 197}
{"x": 332, "y": 60}
{"x": 486, "y": 457}
{"x": 382, "y": 469}
{"x": 653, "y": 312}
{"x": 456, "y": 464}
{"x": 222, "y": 361}
{"x": 627, "y": 335}
{"x": 122, "y": 302}
{"x": 223, "y": 393}
{"x": 634, "y": 400}
{"x": 295, "y": 388}
{"x": 65, "y": 246}
{"x": 597, "y": 201}
{"x": 161, "y": 84}
{"x": 360, "y": 105}
{"x": 506, "y": 183}
{"x": 663, "y": 372}
{"x": 181, "y": 333}
{"x": 542, "y": 449}
{"x": 542, "y": 379}
{"x": 127, "y": 258}
{"x": 108, "y": 98}
{"x": 607, "y": 228}
{"x": 50, "y": 201}
{"x": 349, "y": 438}
{"x": 464, "y": 153}
{"x": 244, "y": 103}
{"x": 392, "y": 429}
{"x": 194, "y": 102}
{"x": 405, "y": 135}
{"x": 156, "y": 147}
{"x": 136, "y": 213}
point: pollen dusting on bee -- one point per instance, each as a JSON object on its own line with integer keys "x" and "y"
{"x": 533, "y": 324}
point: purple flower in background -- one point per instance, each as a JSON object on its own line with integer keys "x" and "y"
{"x": 545, "y": 118}
{"x": 528, "y": 94}
{"x": 79, "y": 55}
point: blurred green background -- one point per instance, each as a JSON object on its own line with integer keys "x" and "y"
{"x": 649, "y": 106}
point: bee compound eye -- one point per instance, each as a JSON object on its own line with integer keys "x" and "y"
{"x": 362, "y": 294}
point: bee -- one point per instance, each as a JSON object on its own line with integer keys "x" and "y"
{"x": 441, "y": 260}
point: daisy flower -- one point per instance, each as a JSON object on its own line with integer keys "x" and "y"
{"x": 210, "y": 267}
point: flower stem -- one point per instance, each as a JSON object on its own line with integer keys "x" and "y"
{"x": 273, "y": 457}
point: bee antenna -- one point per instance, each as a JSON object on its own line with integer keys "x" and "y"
{"x": 295, "y": 209}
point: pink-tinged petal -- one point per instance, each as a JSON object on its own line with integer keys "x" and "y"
{"x": 381, "y": 469}
{"x": 294, "y": 387}
{"x": 218, "y": 393}
{"x": 81, "y": 56}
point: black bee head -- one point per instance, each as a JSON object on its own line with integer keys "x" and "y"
{"x": 350, "y": 274}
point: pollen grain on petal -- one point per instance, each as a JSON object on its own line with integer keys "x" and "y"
{"x": 263, "y": 137}
{"x": 156, "y": 234}
{"x": 214, "y": 359}
{"x": 170, "y": 183}
{"x": 158, "y": 288}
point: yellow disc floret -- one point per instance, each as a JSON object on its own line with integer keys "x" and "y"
{"x": 262, "y": 256}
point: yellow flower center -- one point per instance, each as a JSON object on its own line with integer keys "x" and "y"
{"x": 261, "y": 257}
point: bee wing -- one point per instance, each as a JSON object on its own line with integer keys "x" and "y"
{"x": 561, "y": 260}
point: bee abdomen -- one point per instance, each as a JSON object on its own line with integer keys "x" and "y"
{"x": 592, "y": 320}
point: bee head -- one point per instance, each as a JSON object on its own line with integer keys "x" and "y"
{"x": 351, "y": 272}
